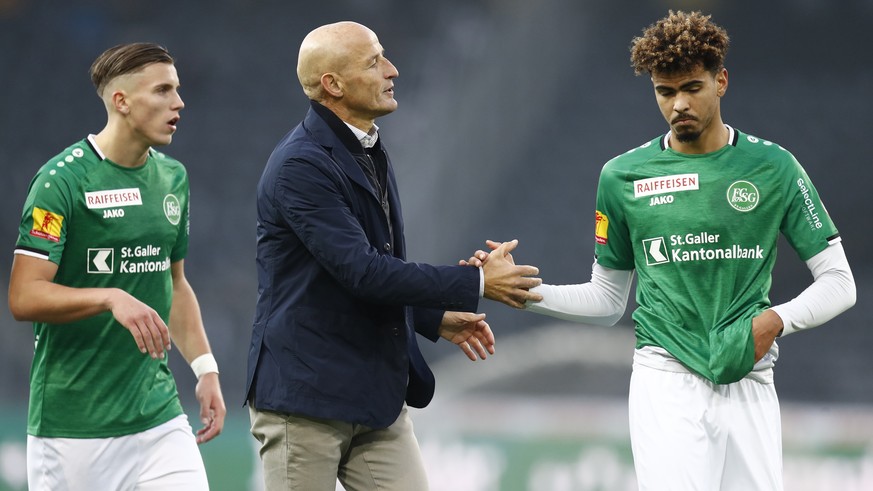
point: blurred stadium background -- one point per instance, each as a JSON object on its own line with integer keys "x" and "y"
{"x": 508, "y": 109}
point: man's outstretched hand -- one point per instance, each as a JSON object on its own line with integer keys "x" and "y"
{"x": 505, "y": 281}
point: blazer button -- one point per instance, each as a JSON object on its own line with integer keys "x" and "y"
{"x": 397, "y": 331}
{"x": 387, "y": 247}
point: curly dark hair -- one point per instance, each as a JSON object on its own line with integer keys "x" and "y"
{"x": 679, "y": 43}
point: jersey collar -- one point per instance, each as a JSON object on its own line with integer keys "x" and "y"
{"x": 732, "y": 138}
{"x": 92, "y": 142}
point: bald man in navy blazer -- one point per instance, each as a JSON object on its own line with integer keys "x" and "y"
{"x": 334, "y": 360}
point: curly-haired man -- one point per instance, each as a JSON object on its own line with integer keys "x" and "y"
{"x": 697, "y": 213}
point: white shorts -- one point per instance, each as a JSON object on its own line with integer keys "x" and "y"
{"x": 163, "y": 458}
{"x": 688, "y": 434}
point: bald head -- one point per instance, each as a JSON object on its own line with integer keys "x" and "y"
{"x": 328, "y": 49}
{"x": 343, "y": 67}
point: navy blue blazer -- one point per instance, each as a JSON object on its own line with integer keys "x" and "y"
{"x": 338, "y": 304}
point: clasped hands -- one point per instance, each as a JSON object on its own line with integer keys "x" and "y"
{"x": 504, "y": 282}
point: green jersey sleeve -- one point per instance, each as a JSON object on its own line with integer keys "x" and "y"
{"x": 46, "y": 215}
{"x": 612, "y": 238}
{"x": 807, "y": 225}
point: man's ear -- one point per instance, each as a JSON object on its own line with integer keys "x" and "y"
{"x": 119, "y": 102}
{"x": 332, "y": 84}
{"x": 721, "y": 81}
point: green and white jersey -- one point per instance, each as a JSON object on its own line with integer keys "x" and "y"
{"x": 105, "y": 226}
{"x": 701, "y": 232}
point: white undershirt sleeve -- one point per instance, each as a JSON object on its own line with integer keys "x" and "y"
{"x": 481, "y": 283}
{"x": 602, "y": 301}
{"x": 831, "y": 292}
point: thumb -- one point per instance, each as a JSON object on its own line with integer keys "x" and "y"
{"x": 492, "y": 244}
{"x": 507, "y": 247}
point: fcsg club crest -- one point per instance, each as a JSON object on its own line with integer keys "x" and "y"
{"x": 172, "y": 209}
{"x": 743, "y": 196}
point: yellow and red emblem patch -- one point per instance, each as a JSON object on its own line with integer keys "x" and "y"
{"x": 601, "y": 227}
{"x": 46, "y": 225}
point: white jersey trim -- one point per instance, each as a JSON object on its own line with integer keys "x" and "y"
{"x": 27, "y": 252}
{"x": 92, "y": 140}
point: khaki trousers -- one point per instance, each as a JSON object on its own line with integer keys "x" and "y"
{"x": 310, "y": 454}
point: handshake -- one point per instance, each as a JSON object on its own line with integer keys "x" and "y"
{"x": 505, "y": 281}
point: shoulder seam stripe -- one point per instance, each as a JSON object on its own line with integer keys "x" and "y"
{"x": 29, "y": 251}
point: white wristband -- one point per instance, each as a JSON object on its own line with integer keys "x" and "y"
{"x": 204, "y": 364}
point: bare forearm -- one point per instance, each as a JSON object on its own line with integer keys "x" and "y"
{"x": 44, "y": 301}
{"x": 34, "y": 296}
{"x": 186, "y": 323}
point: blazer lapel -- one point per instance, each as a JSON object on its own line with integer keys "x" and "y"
{"x": 325, "y": 136}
